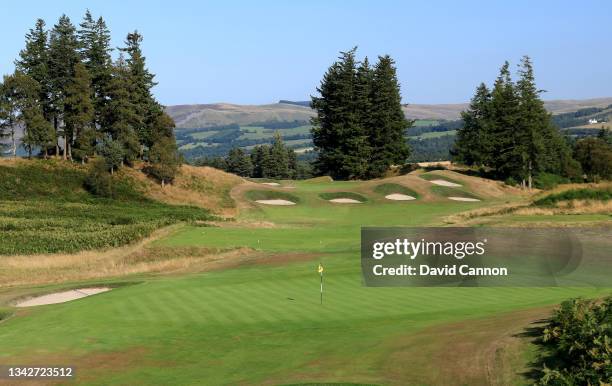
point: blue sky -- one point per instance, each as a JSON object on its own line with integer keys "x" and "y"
{"x": 254, "y": 52}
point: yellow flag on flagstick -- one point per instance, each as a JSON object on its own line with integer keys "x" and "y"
{"x": 320, "y": 269}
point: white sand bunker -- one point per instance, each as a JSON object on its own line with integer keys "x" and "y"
{"x": 399, "y": 197}
{"x": 271, "y": 183}
{"x": 444, "y": 183}
{"x": 276, "y": 202}
{"x": 344, "y": 201}
{"x": 61, "y": 297}
{"x": 467, "y": 199}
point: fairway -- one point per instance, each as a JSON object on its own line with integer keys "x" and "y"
{"x": 261, "y": 322}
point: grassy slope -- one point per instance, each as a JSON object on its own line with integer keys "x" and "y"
{"x": 44, "y": 209}
{"x": 264, "y": 324}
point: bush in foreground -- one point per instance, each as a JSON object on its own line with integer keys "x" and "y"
{"x": 579, "y": 339}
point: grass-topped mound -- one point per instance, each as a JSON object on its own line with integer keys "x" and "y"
{"x": 319, "y": 179}
{"x": 446, "y": 191}
{"x": 389, "y": 188}
{"x": 340, "y": 195}
{"x": 432, "y": 176}
{"x": 44, "y": 208}
{"x": 591, "y": 194}
{"x": 266, "y": 195}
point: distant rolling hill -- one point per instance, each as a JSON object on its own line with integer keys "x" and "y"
{"x": 213, "y": 129}
{"x": 219, "y": 114}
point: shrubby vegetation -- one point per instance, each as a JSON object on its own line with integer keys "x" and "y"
{"x": 72, "y": 100}
{"x": 579, "y": 343}
{"x": 600, "y": 194}
{"x": 44, "y": 208}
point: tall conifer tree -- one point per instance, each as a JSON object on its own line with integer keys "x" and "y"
{"x": 94, "y": 40}
{"x": 79, "y": 112}
{"x": 63, "y": 55}
{"x": 337, "y": 131}
{"x": 504, "y": 121}
{"x": 473, "y": 144}
{"x": 388, "y": 123}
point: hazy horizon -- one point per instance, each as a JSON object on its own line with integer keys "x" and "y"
{"x": 258, "y": 53}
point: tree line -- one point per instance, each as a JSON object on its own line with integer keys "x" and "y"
{"x": 275, "y": 161}
{"x": 359, "y": 130}
{"x": 508, "y": 130}
{"x": 73, "y": 100}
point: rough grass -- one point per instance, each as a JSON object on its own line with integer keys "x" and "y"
{"x": 333, "y": 195}
{"x": 601, "y": 194}
{"x": 388, "y": 188}
{"x": 255, "y": 195}
{"x": 44, "y": 209}
{"x": 199, "y": 186}
{"x": 447, "y": 191}
{"x": 317, "y": 180}
{"x": 430, "y": 176}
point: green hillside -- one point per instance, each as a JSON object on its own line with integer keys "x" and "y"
{"x": 45, "y": 208}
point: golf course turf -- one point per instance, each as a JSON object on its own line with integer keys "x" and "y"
{"x": 264, "y": 324}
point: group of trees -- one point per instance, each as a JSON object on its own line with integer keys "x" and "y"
{"x": 72, "y": 100}
{"x": 595, "y": 155}
{"x": 508, "y": 129}
{"x": 264, "y": 161}
{"x": 360, "y": 128}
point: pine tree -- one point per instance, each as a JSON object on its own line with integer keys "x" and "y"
{"x": 146, "y": 109}
{"x": 164, "y": 160}
{"x": 292, "y": 164}
{"x": 94, "y": 40}
{"x": 121, "y": 119}
{"x": 337, "y": 133}
{"x": 78, "y": 111}
{"x": 260, "y": 156}
{"x": 534, "y": 126}
{"x": 239, "y": 163}
{"x": 63, "y": 55}
{"x": 278, "y": 159}
{"x": 112, "y": 152}
{"x": 388, "y": 123}
{"x": 34, "y": 62}
{"x": 9, "y": 111}
{"x": 504, "y": 124}
{"x": 20, "y": 106}
{"x": 473, "y": 146}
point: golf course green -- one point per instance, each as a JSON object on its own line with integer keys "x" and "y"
{"x": 263, "y": 323}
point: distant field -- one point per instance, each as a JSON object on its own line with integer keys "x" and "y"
{"x": 426, "y": 122}
{"x": 596, "y": 126}
{"x": 435, "y": 134}
{"x": 203, "y": 134}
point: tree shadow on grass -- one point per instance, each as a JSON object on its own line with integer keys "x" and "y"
{"x": 545, "y": 355}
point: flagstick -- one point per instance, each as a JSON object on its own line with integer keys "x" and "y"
{"x": 321, "y": 287}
